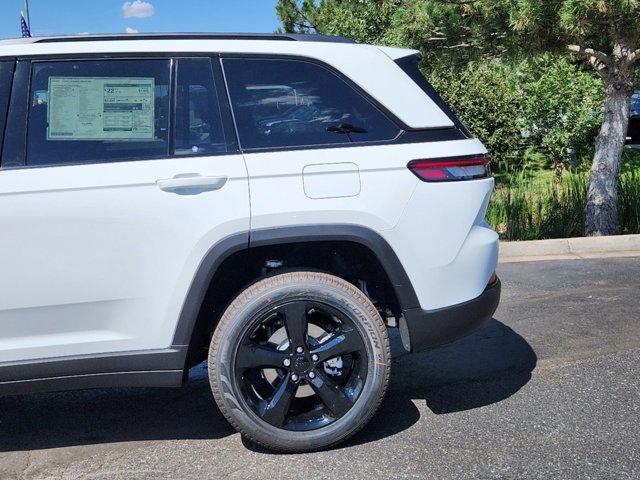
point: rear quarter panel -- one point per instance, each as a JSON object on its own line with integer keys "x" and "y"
{"x": 426, "y": 224}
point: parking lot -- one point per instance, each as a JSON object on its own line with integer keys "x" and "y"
{"x": 549, "y": 389}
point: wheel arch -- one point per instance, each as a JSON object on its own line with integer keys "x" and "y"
{"x": 357, "y": 234}
{"x": 190, "y": 320}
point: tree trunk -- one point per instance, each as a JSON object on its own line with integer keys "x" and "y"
{"x": 601, "y": 213}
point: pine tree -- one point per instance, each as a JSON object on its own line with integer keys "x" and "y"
{"x": 605, "y": 33}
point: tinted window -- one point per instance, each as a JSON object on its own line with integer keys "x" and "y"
{"x": 282, "y": 103}
{"x": 96, "y": 111}
{"x": 411, "y": 66}
{"x": 198, "y": 124}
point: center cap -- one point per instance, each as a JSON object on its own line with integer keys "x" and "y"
{"x": 301, "y": 364}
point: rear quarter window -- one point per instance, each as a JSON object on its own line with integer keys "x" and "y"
{"x": 411, "y": 66}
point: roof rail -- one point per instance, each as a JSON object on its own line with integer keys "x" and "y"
{"x": 196, "y": 36}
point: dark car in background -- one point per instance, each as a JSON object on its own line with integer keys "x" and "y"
{"x": 634, "y": 119}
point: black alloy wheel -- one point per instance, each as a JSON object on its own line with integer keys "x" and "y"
{"x": 319, "y": 371}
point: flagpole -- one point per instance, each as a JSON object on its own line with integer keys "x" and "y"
{"x": 26, "y": 12}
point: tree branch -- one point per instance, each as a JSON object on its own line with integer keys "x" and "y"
{"x": 634, "y": 57}
{"x": 590, "y": 53}
{"x": 308, "y": 20}
{"x": 601, "y": 62}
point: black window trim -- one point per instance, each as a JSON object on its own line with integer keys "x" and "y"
{"x": 15, "y": 135}
{"x": 224, "y": 102}
{"x": 173, "y": 101}
{"x": 4, "y": 110}
{"x": 18, "y": 111}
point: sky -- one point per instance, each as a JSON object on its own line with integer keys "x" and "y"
{"x": 54, "y": 17}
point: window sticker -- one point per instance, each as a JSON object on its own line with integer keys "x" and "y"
{"x": 101, "y": 108}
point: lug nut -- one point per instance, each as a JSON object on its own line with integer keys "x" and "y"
{"x": 286, "y": 362}
{"x": 314, "y": 357}
{"x": 299, "y": 349}
{"x": 312, "y": 375}
{"x": 294, "y": 377}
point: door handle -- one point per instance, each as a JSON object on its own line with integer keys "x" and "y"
{"x": 191, "y": 184}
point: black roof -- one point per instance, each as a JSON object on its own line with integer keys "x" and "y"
{"x": 197, "y": 36}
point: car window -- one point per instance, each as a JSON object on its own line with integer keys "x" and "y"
{"x": 98, "y": 111}
{"x": 6, "y": 76}
{"x": 198, "y": 129}
{"x": 292, "y": 103}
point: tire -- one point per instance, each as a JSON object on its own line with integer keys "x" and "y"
{"x": 325, "y": 398}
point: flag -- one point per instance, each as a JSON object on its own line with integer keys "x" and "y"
{"x": 24, "y": 26}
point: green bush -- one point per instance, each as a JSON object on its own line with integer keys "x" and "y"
{"x": 537, "y": 113}
{"x": 561, "y": 110}
{"x": 486, "y": 97}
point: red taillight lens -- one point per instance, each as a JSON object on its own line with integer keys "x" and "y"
{"x": 452, "y": 169}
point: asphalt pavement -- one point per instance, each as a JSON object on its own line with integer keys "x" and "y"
{"x": 548, "y": 389}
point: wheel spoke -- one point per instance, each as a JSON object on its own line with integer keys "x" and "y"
{"x": 295, "y": 319}
{"x": 276, "y": 409}
{"x": 342, "y": 343}
{"x": 252, "y": 355}
{"x": 331, "y": 395}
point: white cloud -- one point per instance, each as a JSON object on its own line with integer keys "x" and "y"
{"x": 130, "y": 30}
{"x": 138, "y": 9}
{"x": 82, "y": 33}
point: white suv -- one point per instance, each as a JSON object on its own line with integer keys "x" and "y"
{"x": 269, "y": 203}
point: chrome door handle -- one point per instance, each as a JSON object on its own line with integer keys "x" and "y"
{"x": 191, "y": 184}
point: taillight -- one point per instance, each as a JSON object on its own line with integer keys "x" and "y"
{"x": 452, "y": 169}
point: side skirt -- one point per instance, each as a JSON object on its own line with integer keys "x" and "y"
{"x": 154, "y": 368}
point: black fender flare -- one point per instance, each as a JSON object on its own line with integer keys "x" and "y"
{"x": 282, "y": 235}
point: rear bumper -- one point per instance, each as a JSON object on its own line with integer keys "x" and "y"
{"x": 422, "y": 329}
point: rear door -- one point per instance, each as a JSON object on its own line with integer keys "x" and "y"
{"x": 125, "y": 176}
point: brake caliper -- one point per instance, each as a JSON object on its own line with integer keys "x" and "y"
{"x": 333, "y": 367}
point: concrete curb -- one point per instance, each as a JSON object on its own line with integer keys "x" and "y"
{"x": 570, "y": 248}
